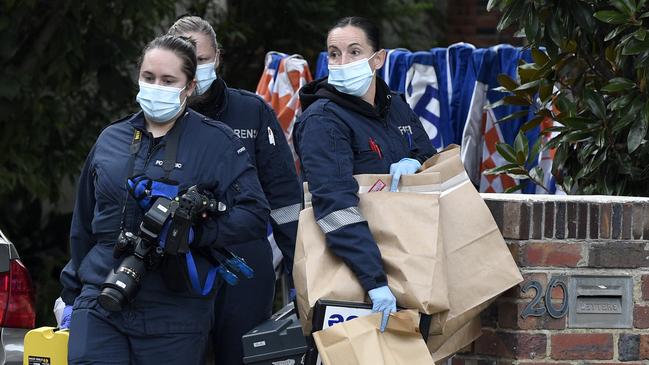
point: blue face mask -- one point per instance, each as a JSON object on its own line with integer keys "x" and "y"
{"x": 205, "y": 75}
{"x": 352, "y": 78}
{"x": 160, "y": 104}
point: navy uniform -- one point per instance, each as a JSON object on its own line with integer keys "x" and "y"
{"x": 240, "y": 308}
{"x": 160, "y": 325}
{"x": 340, "y": 135}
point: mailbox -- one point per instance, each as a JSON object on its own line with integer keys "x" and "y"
{"x": 600, "y": 302}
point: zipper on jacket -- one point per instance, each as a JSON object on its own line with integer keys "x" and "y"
{"x": 151, "y": 150}
{"x": 386, "y": 112}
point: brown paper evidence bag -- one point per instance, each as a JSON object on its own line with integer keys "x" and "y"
{"x": 441, "y": 249}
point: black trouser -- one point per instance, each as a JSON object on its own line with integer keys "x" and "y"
{"x": 240, "y": 308}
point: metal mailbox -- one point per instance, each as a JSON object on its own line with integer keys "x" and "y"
{"x": 600, "y": 302}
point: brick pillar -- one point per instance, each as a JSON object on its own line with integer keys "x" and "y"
{"x": 560, "y": 237}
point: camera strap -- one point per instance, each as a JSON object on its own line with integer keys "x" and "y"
{"x": 136, "y": 143}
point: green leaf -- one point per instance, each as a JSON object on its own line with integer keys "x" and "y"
{"x": 638, "y": 130}
{"x": 492, "y": 4}
{"x": 615, "y": 32}
{"x": 640, "y": 34}
{"x": 620, "y": 102}
{"x": 512, "y": 14}
{"x": 555, "y": 31}
{"x": 566, "y": 107}
{"x": 626, "y": 7}
{"x": 545, "y": 92}
{"x": 618, "y": 84}
{"x": 536, "y": 174}
{"x": 517, "y": 100}
{"x": 644, "y": 15}
{"x": 528, "y": 86}
{"x": 521, "y": 147}
{"x": 630, "y": 114}
{"x": 515, "y": 188}
{"x": 576, "y": 122}
{"x": 507, "y": 152}
{"x": 507, "y": 82}
{"x": 495, "y": 105}
{"x": 611, "y": 17}
{"x": 514, "y": 116}
{"x": 634, "y": 47}
{"x": 501, "y": 169}
{"x": 540, "y": 57}
{"x": 532, "y": 123}
{"x": 595, "y": 103}
{"x": 532, "y": 24}
{"x": 642, "y": 61}
{"x": 578, "y": 135}
{"x": 536, "y": 149}
{"x": 583, "y": 15}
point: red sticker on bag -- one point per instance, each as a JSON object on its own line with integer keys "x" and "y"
{"x": 378, "y": 186}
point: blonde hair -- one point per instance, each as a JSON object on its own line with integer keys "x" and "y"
{"x": 194, "y": 24}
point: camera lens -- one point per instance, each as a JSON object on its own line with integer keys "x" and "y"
{"x": 111, "y": 299}
{"x": 122, "y": 285}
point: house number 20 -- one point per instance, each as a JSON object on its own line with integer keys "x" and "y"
{"x": 536, "y": 309}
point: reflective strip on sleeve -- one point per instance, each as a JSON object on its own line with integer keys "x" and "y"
{"x": 286, "y": 214}
{"x": 340, "y": 218}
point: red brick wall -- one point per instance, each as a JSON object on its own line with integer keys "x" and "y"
{"x": 566, "y": 236}
{"x": 469, "y": 21}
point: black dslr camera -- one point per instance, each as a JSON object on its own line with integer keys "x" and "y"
{"x": 121, "y": 285}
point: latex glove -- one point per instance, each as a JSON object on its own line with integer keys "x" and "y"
{"x": 406, "y": 166}
{"x": 383, "y": 301}
{"x": 67, "y": 316}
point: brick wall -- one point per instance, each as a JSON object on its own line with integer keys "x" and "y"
{"x": 469, "y": 21}
{"x": 564, "y": 237}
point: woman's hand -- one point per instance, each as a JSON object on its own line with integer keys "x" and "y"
{"x": 383, "y": 301}
{"x": 66, "y": 317}
{"x": 406, "y": 166}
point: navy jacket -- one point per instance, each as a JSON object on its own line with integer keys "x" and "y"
{"x": 338, "y": 136}
{"x": 255, "y": 123}
{"x": 208, "y": 154}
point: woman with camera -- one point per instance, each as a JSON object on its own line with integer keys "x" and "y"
{"x": 127, "y": 187}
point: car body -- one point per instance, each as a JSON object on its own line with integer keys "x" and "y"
{"x": 17, "y": 307}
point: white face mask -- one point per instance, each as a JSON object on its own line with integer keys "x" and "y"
{"x": 159, "y": 103}
{"x": 205, "y": 75}
{"x": 352, "y": 78}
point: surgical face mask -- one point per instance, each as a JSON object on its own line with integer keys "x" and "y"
{"x": 205, "y": 75}
{"x": 352, "y": 78}
{"x": 159, "y": 103}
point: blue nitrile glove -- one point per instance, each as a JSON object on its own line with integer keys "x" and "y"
{"x": 406, "y": 166}
{"x": 383, "y": 301}
{"x": 66, "y": 317}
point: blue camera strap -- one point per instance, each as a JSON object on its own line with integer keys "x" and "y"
{"x": 192, "y": 271}
{"x": 193, "y": 276}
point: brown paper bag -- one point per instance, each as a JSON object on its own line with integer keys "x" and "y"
{"x": 479, "y": 264}
{"x": 405, "y": 227}
{"x": 457, "y": 341}
{"x": 359, "y": 341}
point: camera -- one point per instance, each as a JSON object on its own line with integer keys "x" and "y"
{"x": 122, "y": 284}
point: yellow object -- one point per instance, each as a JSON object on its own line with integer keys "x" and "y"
{"x": 46, "y": 346}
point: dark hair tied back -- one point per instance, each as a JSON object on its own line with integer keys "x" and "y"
{"x": 368, "y": 27}
{"x": 183, "y": 47}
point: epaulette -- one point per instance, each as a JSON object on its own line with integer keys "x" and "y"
{"x": 125, "y": 119}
